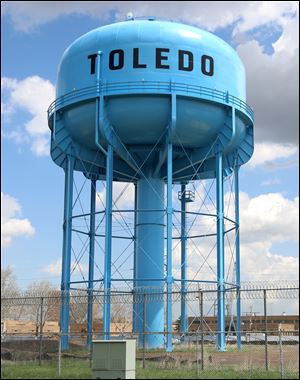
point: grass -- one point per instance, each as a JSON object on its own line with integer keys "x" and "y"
{"x": 74, "y": 369}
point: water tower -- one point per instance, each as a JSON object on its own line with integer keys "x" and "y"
{"x": 153, "y": 103}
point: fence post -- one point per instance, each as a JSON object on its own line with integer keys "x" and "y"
{"x": 59, "y": 354}
{"x": 41, "y": 331}
{"x": 91, "y": 354}
{"x": 202, "y": 337}
{"x": 144, "y": 329}
{"x": 266, "y": 330}
{"x": 197, "y": 355}
{"x": 281, "y": 356}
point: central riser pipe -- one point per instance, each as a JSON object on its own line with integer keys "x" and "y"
{"x": 149, "y": 269}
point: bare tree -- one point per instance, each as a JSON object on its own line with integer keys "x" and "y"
{"x": 9, "y": 286}
{"x": 41, "y": 297}
{"x": 9, "y": 289}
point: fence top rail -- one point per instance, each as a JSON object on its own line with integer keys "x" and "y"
{"x": 151, "y": 291}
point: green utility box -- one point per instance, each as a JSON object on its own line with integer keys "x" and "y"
{"x": 114, "y": 359}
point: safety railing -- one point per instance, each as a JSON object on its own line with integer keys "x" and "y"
{"x": 121, "y": 88}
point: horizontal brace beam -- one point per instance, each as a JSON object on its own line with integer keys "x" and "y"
{"x": 117, "y": 237}
{"x": 140, "y": 210}
{"x": 88, "y": 214}
{"x": 139, "y": 279}
{"x": 84, "y": 281}
{"x": 195, "y": 213}
{"x": 210, "y": 282}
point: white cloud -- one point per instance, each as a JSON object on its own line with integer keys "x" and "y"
{"x": 32, "y": 95}
{"x": 123, "y": 196}
{"x": 9, "y": 83}
{"x": 260, "y": 13}
{"x": 26, "y": 16}
{"x": 9, "y": 207}
{"x": 272, "y": 90}
{"x": 259, "y": 263}
{"x": 40, "y": 146}
{"x": 288, "y": 42}
{"x": 54, "y": 268}
{"x": 17, "y": 136}
{"x": 10, "y": 225}
{"x": 271, "y": 182}
{"x": 272, "y": 84}
{"x": 264, "y": 153}
{"x": 269, "y": 217}
{"x": 264, "y": 221}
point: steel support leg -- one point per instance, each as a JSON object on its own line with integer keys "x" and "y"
{"x": 237, "y": 257}
{"x": 169, "y": 248}
{"x": 220, "y": 252}
{"x": 183, "y": 262}
{"x": 108, "y": 234}
{"x": 134, "y": 306}
{"x": 66, "y": 254}
{"x": 91, "y": 263}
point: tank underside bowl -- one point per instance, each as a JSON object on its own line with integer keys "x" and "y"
{"x": 140, "y": 122}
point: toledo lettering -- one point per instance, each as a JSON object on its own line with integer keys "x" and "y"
{"x": 185, "y": 61}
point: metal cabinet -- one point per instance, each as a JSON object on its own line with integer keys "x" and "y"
{"x": 114, "y": 359}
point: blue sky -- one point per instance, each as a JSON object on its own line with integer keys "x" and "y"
{"x": 34, "y": 37}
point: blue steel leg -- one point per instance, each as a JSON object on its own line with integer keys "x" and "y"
{"x": 66, "y": 254}
{"x": 220, "y": 252}
{"x": 183, "y": 262}
{"x": 108, "y": 233}
{"x": 169, "y": 248}
{"x": 134, "y": 306}
{"x": 237, "y": 256}
{"x": 91, "y": 263}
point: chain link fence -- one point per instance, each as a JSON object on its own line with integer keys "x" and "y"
{"x": 31, "y": 338}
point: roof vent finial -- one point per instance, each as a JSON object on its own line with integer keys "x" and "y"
{"x": 129, "y": 16}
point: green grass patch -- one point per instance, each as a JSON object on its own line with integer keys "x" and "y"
{"x": 48, "y": 370}
{"x": 75, "y": 369}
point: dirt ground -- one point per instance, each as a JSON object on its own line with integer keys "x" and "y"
{"x": 29, "y": 349}
{"x": 249, "y": 357}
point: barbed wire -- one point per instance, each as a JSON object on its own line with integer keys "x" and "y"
{"x": 248, "y": 290}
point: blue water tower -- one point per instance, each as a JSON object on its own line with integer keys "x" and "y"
{"x": 153, "y": 103}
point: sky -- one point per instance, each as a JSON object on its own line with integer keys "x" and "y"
{"x": 34, "y": 37}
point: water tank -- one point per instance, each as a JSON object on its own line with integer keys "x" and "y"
{"x": 150, "y": 102}
{"x": 135, "y": 66}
